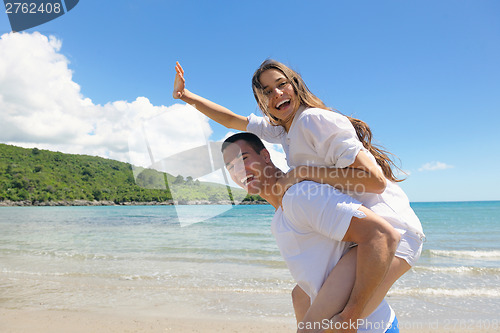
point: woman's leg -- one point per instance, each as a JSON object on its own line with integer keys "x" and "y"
{"x": 398, "y": 267}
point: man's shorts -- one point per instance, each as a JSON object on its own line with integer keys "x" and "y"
{"x": 394, "y": 327}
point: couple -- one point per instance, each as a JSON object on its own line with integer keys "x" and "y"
{"x": 315, "y": 224}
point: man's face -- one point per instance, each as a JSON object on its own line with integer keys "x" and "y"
{"x": 246, "y": 166}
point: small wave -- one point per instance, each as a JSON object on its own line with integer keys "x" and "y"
{"x": 270, "y": 263}
{"x": 231, "y": 289}
{"x": 220, "y": 251}
{"x": 459, "y": 270}
{"x": 249, "y": 235}
{"x": 138, "y": 277}
{"x": 472, "y": 292}
{"x": 60, "y": 254}
{"x": 466, "y": 254}
{"x": 49, "y": 274}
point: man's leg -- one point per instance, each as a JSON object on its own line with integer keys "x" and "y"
{"x": 334, "y": 293}
{"x": 301, "y": 303}
{"x": 337, "y": 288}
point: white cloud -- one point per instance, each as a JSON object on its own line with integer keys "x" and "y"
{"x": 41, "y": 105}
{"x": 433, "y": 166}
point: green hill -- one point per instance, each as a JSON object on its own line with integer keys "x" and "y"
{"x": 38, "y": 176}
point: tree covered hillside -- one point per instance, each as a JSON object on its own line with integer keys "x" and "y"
{"x": 39, "y": 176}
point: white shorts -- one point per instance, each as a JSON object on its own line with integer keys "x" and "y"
{"x": 410, "y": 246}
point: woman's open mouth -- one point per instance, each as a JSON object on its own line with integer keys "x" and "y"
{"x": 283, "y": 104}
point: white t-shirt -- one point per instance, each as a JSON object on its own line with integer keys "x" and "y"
{"x": 309, "y": 232}
{"x": 319, "y": 137}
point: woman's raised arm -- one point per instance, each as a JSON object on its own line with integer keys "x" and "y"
{"x": 210, "y": 109}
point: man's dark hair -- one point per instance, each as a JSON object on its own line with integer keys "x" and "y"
{"x": 252, "y": 139}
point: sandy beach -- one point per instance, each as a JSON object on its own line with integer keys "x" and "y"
{"x": 58, "y": 321}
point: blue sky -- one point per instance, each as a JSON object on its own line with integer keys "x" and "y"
{"x": 425, "y": 75}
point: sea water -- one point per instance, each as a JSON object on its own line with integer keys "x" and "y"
{"x": 141, "y": 259}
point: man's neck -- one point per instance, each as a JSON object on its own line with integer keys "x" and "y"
{"x": 271, "y": 191}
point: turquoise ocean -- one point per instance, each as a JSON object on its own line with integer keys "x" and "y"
{"x": 140, "y": 259}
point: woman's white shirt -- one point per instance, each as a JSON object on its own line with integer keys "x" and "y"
{"x": 319, "y": 137}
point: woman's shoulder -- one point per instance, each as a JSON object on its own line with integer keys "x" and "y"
{"x": 310, "y": 116}
{"x": 262, "y": 127}
{"x": 313, "y": 111}
{"x": 320, "y": 113}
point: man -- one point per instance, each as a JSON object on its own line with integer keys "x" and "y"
{"x": 315, "y": 225}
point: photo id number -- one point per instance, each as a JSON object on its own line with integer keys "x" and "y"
{"x": 32, "y": 8}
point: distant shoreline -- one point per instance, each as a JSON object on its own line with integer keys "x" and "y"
{"x": 83, "y": 203}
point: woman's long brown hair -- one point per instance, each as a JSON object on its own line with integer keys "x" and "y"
{"x": 307, "y": 98}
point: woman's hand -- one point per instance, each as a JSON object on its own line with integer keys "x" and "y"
{"x": 214, "y": 111}
{"x": 180, "y": 82}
